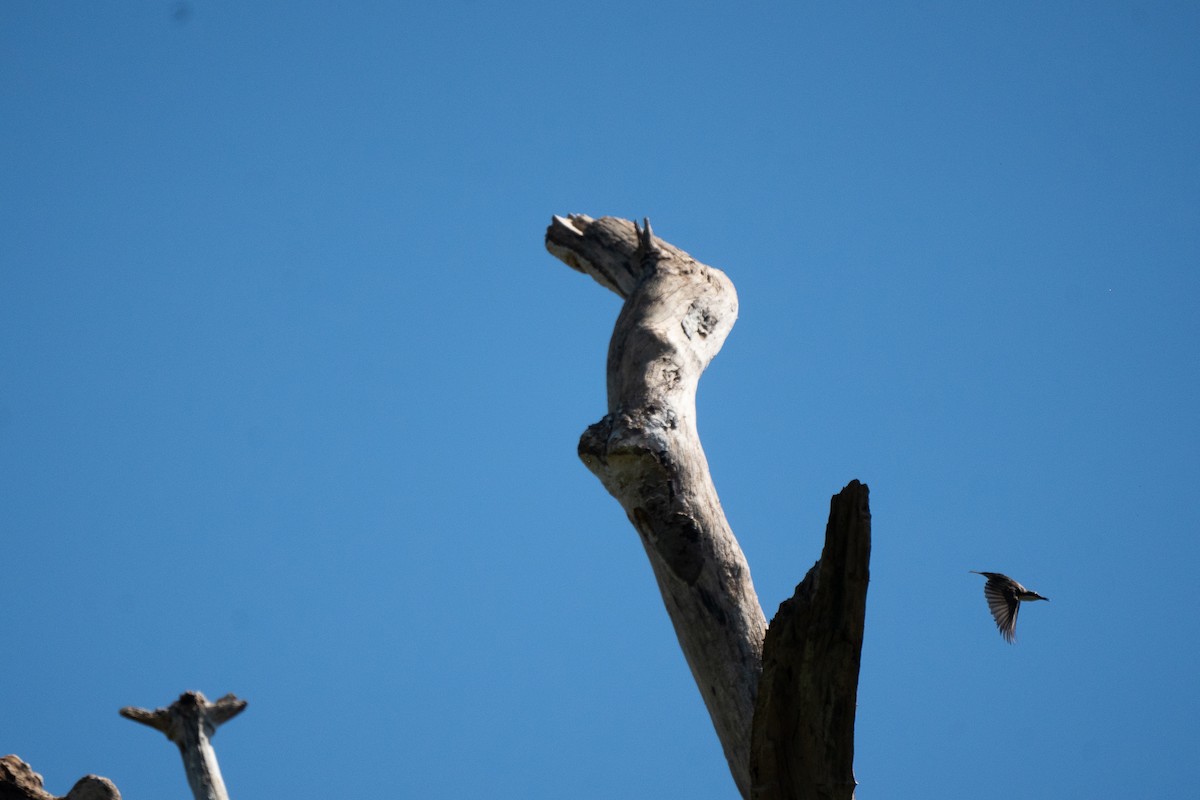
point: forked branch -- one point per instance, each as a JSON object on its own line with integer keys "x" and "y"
{"x": 191, "y": 722}
{"x": 647, "y": 453}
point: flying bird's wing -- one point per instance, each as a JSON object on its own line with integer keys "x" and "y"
{"x": 1003, "y": 602}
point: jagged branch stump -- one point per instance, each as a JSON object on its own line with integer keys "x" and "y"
{"x": 803, "y": 739}
{"x": 647, "y": 453}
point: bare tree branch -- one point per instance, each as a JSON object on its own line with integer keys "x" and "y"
{"x": 790, "y": 735}
{"x": 191, "y": 722}
{"x": 647, "y": 453}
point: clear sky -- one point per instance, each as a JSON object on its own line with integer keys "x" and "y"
{"x": 290, "y": 389}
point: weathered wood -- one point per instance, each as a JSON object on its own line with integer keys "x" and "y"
{"x": 18, "y": 781}
{"x": 647, "y": 453}
{"x": 191, "y": 722}
{"x": 803, "y": 741}
{"x": 788, "y": 732}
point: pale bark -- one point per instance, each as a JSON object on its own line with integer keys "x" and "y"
{"x": 190, "y": 722}
{"x": 647, "y": 453}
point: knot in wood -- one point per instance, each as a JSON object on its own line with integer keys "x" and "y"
{"x": 698, "y": 320}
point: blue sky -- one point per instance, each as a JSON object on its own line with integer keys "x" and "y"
{"x": 290, "y": 389}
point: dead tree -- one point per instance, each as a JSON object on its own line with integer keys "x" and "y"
{"x": 190, "y": 722}
{"x": 782, "y": 699}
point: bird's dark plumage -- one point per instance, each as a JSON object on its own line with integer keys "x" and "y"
{"x": 1004, "y": 597}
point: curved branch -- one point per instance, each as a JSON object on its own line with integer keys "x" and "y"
{"x": 646, "y": 451}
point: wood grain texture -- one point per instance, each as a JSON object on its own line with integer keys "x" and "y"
{"x": 784, "y": 714}
{"x": 647, "y": 453}
{"x": 803, "y": 741}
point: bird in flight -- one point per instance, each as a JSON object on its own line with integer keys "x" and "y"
{"x": 1004, "y": 597}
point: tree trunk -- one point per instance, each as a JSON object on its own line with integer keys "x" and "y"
{"x": 647, "y": 453}
{"x": 190, "y": 722}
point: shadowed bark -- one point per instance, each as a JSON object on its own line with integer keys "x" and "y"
{"x": 803, "y": 743}
{"x": 647, "y": 453}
